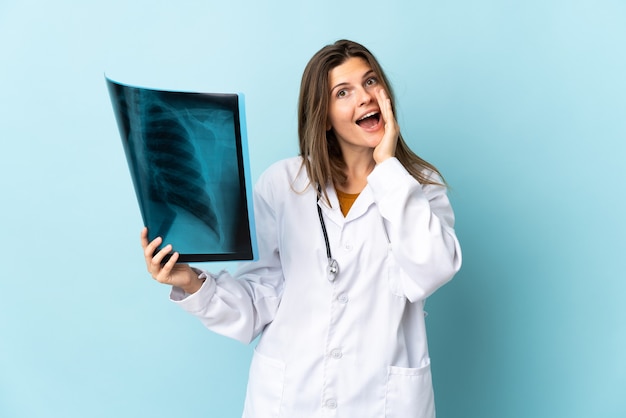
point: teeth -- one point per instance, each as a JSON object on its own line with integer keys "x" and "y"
{"x": 368, "y": 115}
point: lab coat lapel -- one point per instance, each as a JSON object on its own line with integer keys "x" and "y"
{"x": 333, "y": 213}
{"x": 361, "y": 204}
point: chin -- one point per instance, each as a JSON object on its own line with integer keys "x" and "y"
{"x": 373, "y": 142}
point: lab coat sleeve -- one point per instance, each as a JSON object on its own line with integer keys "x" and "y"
{"x": 240, "y": 305}
{"x": 419, "y": 222}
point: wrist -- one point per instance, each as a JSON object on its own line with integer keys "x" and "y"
{"x": 195, "y": 283}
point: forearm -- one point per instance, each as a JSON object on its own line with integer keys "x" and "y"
{"x": 233, "y": 307}
{"x": 419, "y": 222}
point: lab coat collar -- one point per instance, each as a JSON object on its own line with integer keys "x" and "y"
{"x": 360, "y": 206}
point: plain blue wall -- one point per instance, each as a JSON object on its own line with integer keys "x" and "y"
{"x": 521, "y": 104}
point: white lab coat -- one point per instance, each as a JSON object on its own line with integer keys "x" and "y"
{"x": 354, "y": 347}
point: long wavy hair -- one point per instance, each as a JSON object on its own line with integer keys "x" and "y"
{"x": 319, "y": 148}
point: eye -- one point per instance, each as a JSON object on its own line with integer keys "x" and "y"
{"x": 341, "y": 93}
{"x": 371, "y": 81}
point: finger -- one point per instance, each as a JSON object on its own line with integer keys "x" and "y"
{"x": 388, "y": 116}
{"x": 144, "y": 237}
{"x": 150, "y": 249}
{"x": 384, "y": 102}
{"x": 151, "y": 253}
{"x": 387, "y": 146}
{"x": 160, "y": 255}
{"x": 164, "y": 275}
{"x": 155, "y": 264}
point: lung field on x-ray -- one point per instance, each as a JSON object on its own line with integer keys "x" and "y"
{"x": 176, "y": 178}
{"x": 187, "y": 159}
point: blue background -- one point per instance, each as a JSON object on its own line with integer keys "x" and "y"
{"x": 521, "y": 104}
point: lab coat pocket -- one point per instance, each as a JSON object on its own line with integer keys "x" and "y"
{"x": 265, "y": 387}
{"x": 409, "y": 393}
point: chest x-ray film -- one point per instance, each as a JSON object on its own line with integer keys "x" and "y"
{"x": 188, "y": 159}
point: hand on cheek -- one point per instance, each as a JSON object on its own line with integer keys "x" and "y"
{"x": 387, "y": 146}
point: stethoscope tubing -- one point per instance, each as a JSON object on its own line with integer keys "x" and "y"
{"x": 333, "y": 266}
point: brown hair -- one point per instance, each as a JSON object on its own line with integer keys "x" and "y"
{"x": 319, "y": 148}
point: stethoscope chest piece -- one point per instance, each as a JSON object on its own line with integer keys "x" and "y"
{"x": 332, "y": 270}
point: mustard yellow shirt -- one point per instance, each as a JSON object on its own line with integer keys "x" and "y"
{"x": 345, "y": 201}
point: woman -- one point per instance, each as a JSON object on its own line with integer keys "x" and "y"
{"x": 353, "y": 236}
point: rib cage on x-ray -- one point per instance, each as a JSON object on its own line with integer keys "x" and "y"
{"x": 186, "y": 167}
{"x": 175, "y": 176}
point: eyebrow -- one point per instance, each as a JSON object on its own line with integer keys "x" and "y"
{"x": 367, "y": 74}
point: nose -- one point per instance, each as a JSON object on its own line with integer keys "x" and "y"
{"x": 365, "y": 96}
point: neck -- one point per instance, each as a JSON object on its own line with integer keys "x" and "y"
{"x": 358, "y": 167}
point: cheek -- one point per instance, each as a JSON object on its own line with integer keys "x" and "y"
{"x": 333, "y": 118}
{"x": 339, "y": 114}
{"x": 338, "y": 124}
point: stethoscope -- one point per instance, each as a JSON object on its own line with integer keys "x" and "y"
{"x": 333, "y": 267}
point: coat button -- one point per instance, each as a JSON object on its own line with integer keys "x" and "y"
{"x": 336, "y": 353}
{"x": 331, "y": 403}
{"x": 343, "y": 298}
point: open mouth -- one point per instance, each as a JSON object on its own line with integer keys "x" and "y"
{"x": 369, "y": 121}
